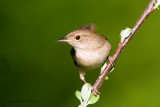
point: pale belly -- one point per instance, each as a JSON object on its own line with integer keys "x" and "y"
{"x": 90, "y": 59}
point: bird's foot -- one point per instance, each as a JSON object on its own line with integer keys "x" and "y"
{"x": 111, "y": 61}
{"x": 95, "y": 91}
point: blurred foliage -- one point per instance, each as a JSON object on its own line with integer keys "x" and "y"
{"x": 35, "y": 71}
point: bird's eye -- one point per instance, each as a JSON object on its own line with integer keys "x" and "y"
{"x": 78, "y": 37}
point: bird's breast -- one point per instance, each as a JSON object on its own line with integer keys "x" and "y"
{"x": 92, "y": 58}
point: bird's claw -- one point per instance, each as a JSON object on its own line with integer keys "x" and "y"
{"x": 95, "y": 91}
{"x": 111, "y": 61}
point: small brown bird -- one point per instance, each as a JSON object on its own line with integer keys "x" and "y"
{"x": 90, "y": 49}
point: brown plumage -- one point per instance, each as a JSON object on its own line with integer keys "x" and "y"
{"x": 90, "y": 49}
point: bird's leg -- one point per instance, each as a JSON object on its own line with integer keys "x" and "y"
{"x": 95, "y": 91}
{"x": 111, "y": 61}
{"x": 82, "y": 77}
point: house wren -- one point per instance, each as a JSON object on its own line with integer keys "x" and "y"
{"x": 90, "y": 49}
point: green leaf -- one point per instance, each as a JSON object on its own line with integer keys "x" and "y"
{"x": 125, "y": 33}
{"x": 111, "y": 70}
{"x": 86, "y": 91}
{"x": 78, "y": 95}
{"x": 106, "y": 78}
{"x": 157, "y": 4}
{"x": 103, "y": 67}
{"x": 93, "y": 99}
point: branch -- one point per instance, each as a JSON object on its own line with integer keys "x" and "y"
{"x": 122, "y": 45}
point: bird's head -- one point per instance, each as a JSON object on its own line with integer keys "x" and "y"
{"x": 84, "y": 38}
{"x": 79, "y": 39}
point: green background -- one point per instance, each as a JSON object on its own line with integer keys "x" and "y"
{"x": 36, "y": 71}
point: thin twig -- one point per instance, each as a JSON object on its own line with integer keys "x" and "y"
{"x": 122, "y": 45}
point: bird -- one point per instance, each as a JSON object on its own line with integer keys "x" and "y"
{"x": 89, "y": 49}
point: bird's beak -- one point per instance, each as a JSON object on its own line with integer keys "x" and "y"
{"x": 62, "y": 40}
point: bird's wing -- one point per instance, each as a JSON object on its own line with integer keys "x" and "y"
{"x": 73, "y": 52}
{"x": 91, "y": 27}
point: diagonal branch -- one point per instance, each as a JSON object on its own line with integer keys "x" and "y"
{"x": 122, "y": 45}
